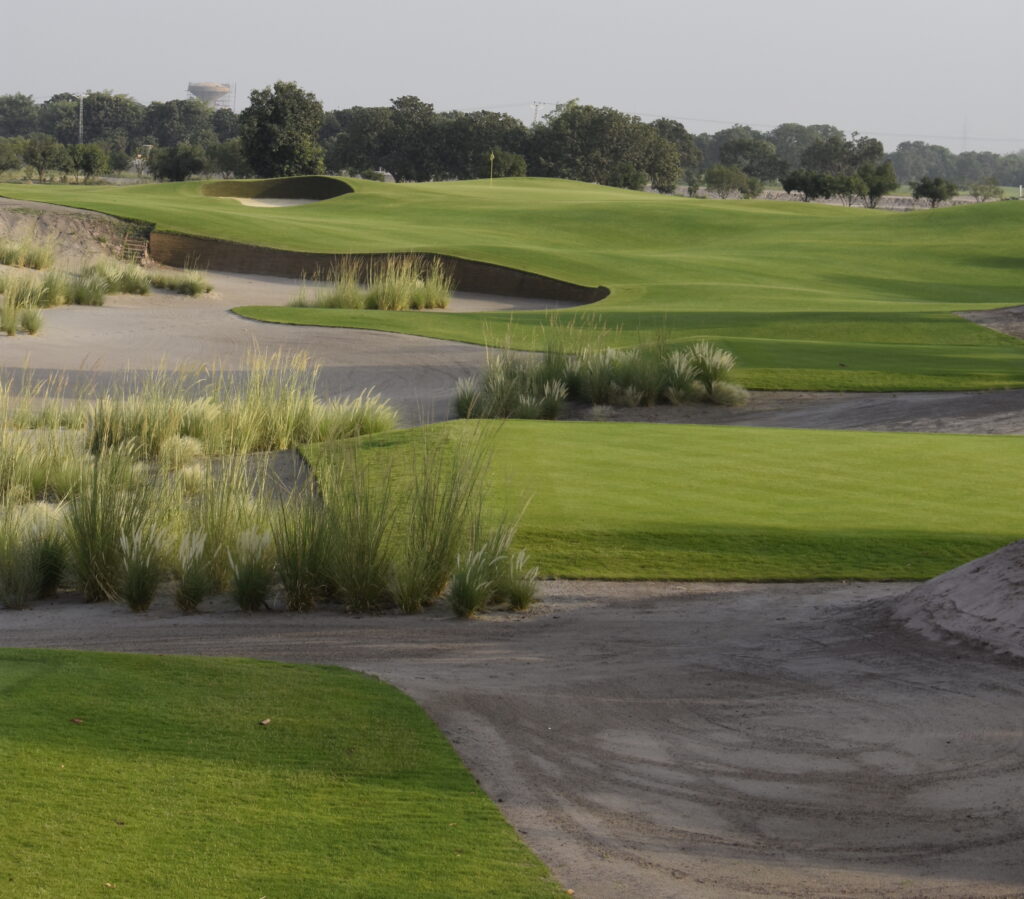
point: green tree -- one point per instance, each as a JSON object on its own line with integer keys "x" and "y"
{"x": 877, "y": 179}
{"x": 411, "y": 142}
{"x": 227, "y": 159}
{"x": 934, "y": 190}
{"x": 812, "y": 185}
{"x": 176, "y": 163}
{"x": 791, "y": 139}
{"x": 688, "y": 153}
{"x": 44, "y": 154}
{"x": 752, "y": 155}
{"x": 279, "y": 131}
{"x": 12, "y": 150}
{"x": 180, "y": 122}
{"x": 88, "y": 160}
{"x": 362, "y": 140}
{"x": 18, "y": 115}
{"x": 725, "y": 180}
{"x": 987, "y": 189}
{"x": 605, "y": 146}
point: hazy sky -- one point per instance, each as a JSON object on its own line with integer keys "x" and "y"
{"x": 932, "y": 70}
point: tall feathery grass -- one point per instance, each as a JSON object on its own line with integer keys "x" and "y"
{"x": 190, "y": 281}
{"x": 26, "y": 253}
{"x": 168, "y": 482}
{"x": 574, "y": 367}
{"x": 394, "y": 283}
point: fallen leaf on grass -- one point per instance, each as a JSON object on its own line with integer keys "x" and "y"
{"x": 78, "y": 721}
{"x": 265, "y": 722}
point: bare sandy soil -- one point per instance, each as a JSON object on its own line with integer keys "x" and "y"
{"x": 92, "y": 347}
{"x": 657, "y": 740}
{"x": 668, "y": 740}
{"x": 1007, "y": 321}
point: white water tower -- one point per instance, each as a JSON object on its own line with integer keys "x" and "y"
{"x": 213, "y": 94}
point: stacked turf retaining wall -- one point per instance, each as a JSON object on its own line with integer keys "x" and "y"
{"x": 182, "y": 250}
{"x": 306, "y": 187}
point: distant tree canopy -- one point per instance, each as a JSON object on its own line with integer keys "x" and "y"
{"x": 413, "y": 141}
{"x": 279, "y": 131}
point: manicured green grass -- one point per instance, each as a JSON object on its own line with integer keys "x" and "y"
{"x": 170, "y": 786}
{"x": 641, "y": 501}
{"x": 808, "y": 296}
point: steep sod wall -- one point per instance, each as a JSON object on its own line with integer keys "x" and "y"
{"x": 306, "y": 187}
{"x": 181, "y": 250}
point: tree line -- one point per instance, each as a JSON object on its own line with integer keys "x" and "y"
{"x": 285, "y": 130}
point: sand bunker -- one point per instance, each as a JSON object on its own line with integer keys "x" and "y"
{"x": 271, "y": 203}
{"x": 981, "y": 602}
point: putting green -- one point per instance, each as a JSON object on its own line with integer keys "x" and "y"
{"x": 808, "y": 296}
{"x": 643, "y": 501}
{"x": 149, "y": 776}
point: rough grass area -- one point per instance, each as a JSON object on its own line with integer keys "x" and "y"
{"x": 665, "y": 502}
{"x": 807, "y": 296}
{"x": 150, "y": 776}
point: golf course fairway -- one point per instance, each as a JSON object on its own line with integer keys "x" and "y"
{"x": 631, "y": 501}
{"x": 808, "y": 296}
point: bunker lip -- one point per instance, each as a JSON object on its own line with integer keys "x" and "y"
{"x": 311, "y": 188}
{"x": 270, "y": 203}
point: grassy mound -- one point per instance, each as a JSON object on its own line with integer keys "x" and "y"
{"x": 807, "y": 296}
{"x": 641, "y": 501}
{"x": 153, "y": 776}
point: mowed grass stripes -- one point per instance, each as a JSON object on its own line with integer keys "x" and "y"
{"x": 639, "y": 501}
{"x": 152, "y": 776}
{"x": 808, "y": 296}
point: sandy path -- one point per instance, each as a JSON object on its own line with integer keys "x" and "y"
{"x": 947, "y": 412}
{"x": 665, "y": 740}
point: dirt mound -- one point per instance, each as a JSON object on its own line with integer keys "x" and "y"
{"x": 77, "y": 236}
{"x": 981, "y": 602}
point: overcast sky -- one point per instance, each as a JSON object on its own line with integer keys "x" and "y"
{"x": 933, "y": 70}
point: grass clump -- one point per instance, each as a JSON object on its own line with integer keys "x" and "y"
{"x": 395, "y": 283}
{"x": 301, "y": 546}
{"x": 190, "y": 281}
{"x": 30, "y": 319}
{"x": 26, "y": 253}
{"x": 574, "y": 367}
{"x": 193, "y": 569}
{"x": 119, "y": 276}
{"x": 252, "y": 570}
{"x": 88, "y": 289}
{"x": 32, "y": 552}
